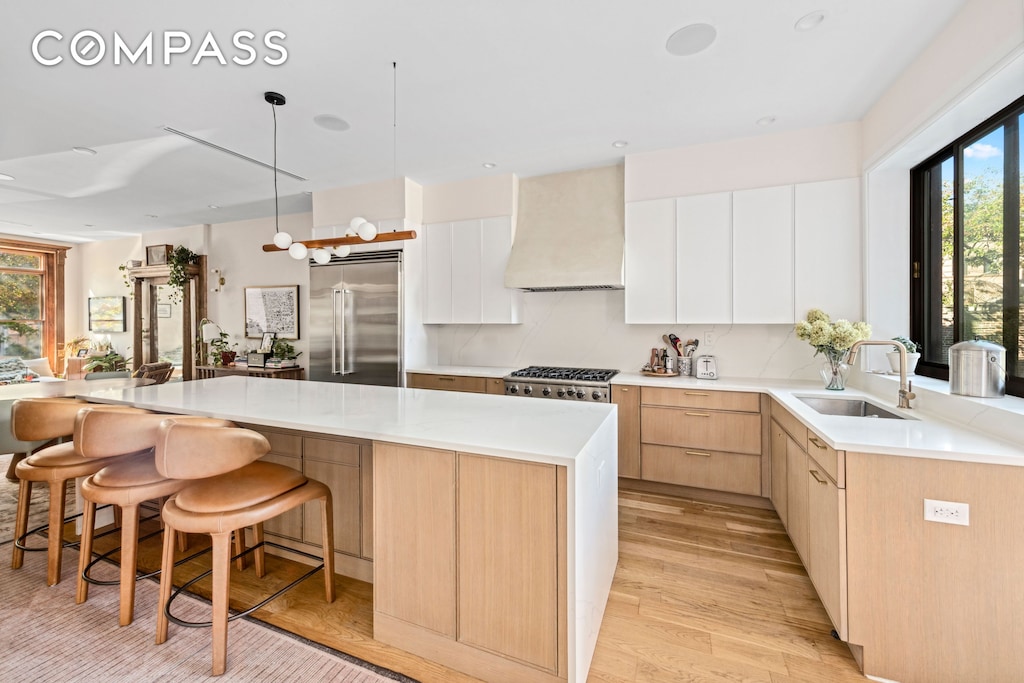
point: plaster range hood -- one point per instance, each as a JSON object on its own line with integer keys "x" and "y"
{"x": 570, "y": 231}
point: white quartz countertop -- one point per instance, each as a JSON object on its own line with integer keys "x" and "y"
{"x": 462, "y": 370}
{"x": 922, "y": 435}
{"x": 541, "y": 431}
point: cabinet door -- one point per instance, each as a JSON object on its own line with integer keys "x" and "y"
{"x": 704, "y": 258}
{"x": 289, "y": 523}
{"x": 508, "y": 558}
{"x": 650, "y": 264}
{"x": 414, "y": 536}
{"x": 465, "y": 285}
{"x": 437, "y": 270}
{"x": 827, "y": 542}
{"x": 498, "y": 304}
{"x": 779, "y": 482}
{"x": 827, "y": 225}
{"x": 796, "y": 498}
{"x": 343, "y": 480}
{"x": 496, "y": 385}
{"x": 762, "y": 254}
{"x": 628, "y": 401}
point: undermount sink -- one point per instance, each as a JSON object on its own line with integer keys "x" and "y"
{"x": 848, "y": 407}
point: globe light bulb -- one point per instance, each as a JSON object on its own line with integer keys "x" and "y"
{"x": 298, "y": 251}
{"x": 321, "y": 256}
{"x": 356, "y": 222}
{"x": 282, "y": 240}
{"x": 367, "y": 232}
{"x": 342, "y": 251}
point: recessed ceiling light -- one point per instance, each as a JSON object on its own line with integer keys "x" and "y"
{"x": 308, "y": 192}
{"x": 214, "y": 206}
{"x": 4, "y": 176}
{"x": 766, "y": 121}
{"x": 150, "y": 215}
{"x": 619, "y": 144}
{"x": 89, "y": 225}
{"x": 809, "y": 22}
{"x": 489, "y": 164}
{"x": 331, "y": 122}
{"x": 87, "y": 151}
{"x": 689, "y": 40}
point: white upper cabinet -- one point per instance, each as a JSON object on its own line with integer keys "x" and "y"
{"x": 828, "y": 251}
{"x": 464, "y": 272}
{"x": 762, "y": 256}
{"x": 650, "y": 263}
{"x": 703, "y": 272}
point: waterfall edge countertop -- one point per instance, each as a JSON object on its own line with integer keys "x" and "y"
{"x": 540, "y": 431}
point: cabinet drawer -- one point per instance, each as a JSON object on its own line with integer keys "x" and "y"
{"x": 831, "y": 460}
{"x": 794, "y": 427}
{"x": 733, "y": 472}
{"x": 284, "y": 444}
{"x": 695, "y": 398}
{"x": 476, "y": 385}
{"x": 328, "y": 450}
{"x": 495, "y": 385}
{"x": 716, "y": 431}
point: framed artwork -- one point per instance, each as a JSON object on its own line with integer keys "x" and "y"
{"x": 83, "y": 353}
{"x": 163, "y": 310}
{"x": 106, "y": 314}
{"x": 267, "y": 345}
{"x": 158, "y": 254}
{"x": 272, "y": 309}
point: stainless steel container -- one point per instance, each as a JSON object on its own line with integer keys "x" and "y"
{"x": 977, "y": 368}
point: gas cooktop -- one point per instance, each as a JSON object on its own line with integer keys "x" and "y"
{"x": 581, "y": 384}
{"x": 565, "y": 374}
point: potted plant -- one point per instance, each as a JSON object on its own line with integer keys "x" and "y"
{"x": 282, "y": 348}
{"x": 178, "y": 260}
{"x": 221, "y": 350}
{"x": 111, "y": 362}
{"x": 912, "y": 355}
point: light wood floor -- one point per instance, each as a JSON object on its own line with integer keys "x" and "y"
{"x": 703, "y": 592}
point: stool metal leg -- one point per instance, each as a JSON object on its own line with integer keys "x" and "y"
{"x": 221, "y": 583}
{"x": 55, "y": 534}
{"x": 166, "y": 584}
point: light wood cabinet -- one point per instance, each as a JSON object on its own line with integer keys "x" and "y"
{"x": 778, "y": 456}
{"x": 688, "y": 439}
{"x": 508, "y": 558}
{"x": 762, "y": 263}
{"x": 343, "y": 480}
{"x": 495, "y": 385}
{"x": 476, "y": 385}
{"x": 796, "y": 497}
{"x": 288, "y": 523}
{"x": 826, "y": 543}
{"x": 628, "y": 401}
{"x": 414, "y": 575}
{"x": 464, "y": 270}
{"x": 757, "y": 256}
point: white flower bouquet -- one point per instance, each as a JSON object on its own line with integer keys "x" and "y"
{"x": 832, "y": 340}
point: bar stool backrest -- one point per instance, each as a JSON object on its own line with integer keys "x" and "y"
{"x": 102, "y": 433}
{"x": 42, "y": 419}
{"x": 197, "y": 448}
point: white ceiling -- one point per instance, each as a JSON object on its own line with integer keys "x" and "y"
{"x": 534, "y": 86}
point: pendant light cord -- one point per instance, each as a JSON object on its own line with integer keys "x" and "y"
{"x": 277, "y": 227}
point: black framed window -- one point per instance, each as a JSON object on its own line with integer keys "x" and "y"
{"x": 966, "y": 244}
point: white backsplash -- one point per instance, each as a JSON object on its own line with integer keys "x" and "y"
{"x": 586, "y": 329}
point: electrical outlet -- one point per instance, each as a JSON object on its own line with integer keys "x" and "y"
{"x": 709, "y": 338}
{"x": 946, "y": 512}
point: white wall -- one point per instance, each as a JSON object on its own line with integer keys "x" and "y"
{"x": 95, "y": 273}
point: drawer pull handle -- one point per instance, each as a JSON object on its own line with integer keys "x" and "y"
{"x": 446, "y": 379}
{"x": 814, "y": 440}
{"x": 695, "y": 393}
{"x": 698, "y": 414}
{"x": 701, "y": 453}
{"x": 818, "y": 478}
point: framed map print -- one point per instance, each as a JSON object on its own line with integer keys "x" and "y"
{"x": 106, "y": 314}
{"x": 272, "y": 309}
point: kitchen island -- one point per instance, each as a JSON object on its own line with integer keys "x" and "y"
{"x": 494, "y": 520}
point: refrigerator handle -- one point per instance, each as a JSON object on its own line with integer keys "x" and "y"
{"x": 335, "y": 370}
{"x": 334, "y": 331}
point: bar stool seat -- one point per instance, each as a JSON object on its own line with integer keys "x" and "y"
{"x": 231, "y": 491}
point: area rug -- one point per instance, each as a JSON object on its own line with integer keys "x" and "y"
{"x": 38, "y": 510}
{"x": 45, "y": 636}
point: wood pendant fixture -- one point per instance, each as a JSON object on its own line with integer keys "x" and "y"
{"x": 352, "y": 240}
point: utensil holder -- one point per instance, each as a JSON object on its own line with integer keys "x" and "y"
{"x": 685, "y": 366}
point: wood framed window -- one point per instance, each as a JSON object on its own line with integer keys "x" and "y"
{"x": 32, "y": 301}
{"x": 967, "y": 274}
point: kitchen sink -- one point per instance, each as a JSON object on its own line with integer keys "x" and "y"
{"x": 848, "y": 407}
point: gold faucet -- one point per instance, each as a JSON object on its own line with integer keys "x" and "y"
{"x": 906, "y": 395}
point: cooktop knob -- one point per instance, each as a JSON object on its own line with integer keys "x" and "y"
{"x": 561, "y": 393}
{"x": 514, "y": 389}
{"x": 546, "y": 391}
{"x": 580, "y": 394}
{"x": 597, "y": 395}
{"x": 528, "y": 390}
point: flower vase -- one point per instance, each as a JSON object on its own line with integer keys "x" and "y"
{"x": 834, "y": 371}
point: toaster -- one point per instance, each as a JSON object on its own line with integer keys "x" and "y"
{"x": 707, "y": 367}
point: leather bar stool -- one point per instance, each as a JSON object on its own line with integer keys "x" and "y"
{"x": 126, "y": 482}
{"x": 229, "y": 490}
{"x": 19, "y": 450}
{"x": 43, "y": 419}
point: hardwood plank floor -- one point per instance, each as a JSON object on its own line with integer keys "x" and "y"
{"x": 703, "y": 592}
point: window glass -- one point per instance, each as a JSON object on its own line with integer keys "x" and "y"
{"x": 983, "y": 238}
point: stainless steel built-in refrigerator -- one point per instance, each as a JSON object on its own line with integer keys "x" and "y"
{"x": 355, "y": 315}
